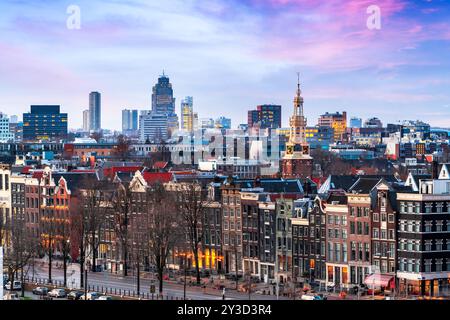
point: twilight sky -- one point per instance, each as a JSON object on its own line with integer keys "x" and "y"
{"x": 230, "y": 55}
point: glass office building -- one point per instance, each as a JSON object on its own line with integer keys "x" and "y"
{"x": 44, "y": 122}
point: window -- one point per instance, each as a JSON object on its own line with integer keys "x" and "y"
{"x": 360, "y": 251}
{"x": 366, "y": 252}
{"x": 428, "y": 245}
{"x": 344, "y": 220}
{"x": 391, "y": 218}
{"x": 337, "y": 220}
{"x": 330, "y": 251}
{"x": 439, "y": 245}
{"x": 353, "y": 252}
{"x": 376, "y": 217}
{"x": 428, "y": 226}
{"x": 376, "y": 233}
{"x": 352, "y": 211}
{"x": 391, "y": 234}
{"x": 383, "y": 234}
{"x": 439, "y": 225}
{"x": 344, "y": 234}
{"x": 391, "y": 250}
{"x": 366, "y": 228}
{"x": 428, "y": 265}
{"x": 366, "y": 212}
{"x": 344, "y": 252}
{"x": 352, "y": 227}
{"x": 359, "y": 224}
{"x": 439, "y": 265}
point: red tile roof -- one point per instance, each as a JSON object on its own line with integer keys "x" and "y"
{"x": 151, "y": 177}
{"x": 160, "y": 164}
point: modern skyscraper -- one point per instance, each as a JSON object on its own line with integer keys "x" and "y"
{"x": 163, "y": 103}
{"x": 206, "y": 123}
{"x": 223, "y": 123}
{"x": 355, "y": 123}
{"x": 153, "y": 127}
{"x": 95, "y": 112}
{"x": 44, "y": 123}
{"x": 129, "y": 120}
{"x": 162, "y": 96}
{"x": 337, "y": 121}
{"x": 86, "y": 120}
{"x": 297, "y": 162}
{"x": 187, "y": 114}
{"x": 5, "y": 133}
{"x": 266, "y": 116}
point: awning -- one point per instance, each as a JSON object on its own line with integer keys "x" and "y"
{"x": 380, "y": 280}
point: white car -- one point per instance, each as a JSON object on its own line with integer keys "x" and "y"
{"x": 11, "y": 296}
{"x": 90, "y": 296}
{"x": 17, "y": 285}
{"x": 104, "y": 298}
{"x": 57, "y": 293}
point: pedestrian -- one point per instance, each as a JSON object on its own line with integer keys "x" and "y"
{"x": 223, "y": 294}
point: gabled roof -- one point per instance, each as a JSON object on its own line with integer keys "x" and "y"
{"x": 364, "y": 185}
{"x": 76, "y": 180}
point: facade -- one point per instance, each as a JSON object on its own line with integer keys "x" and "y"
{"x": 187, "y": 114}
{"x": 129, "y": 120}
{"x": 265, "y": 117}
{"x": 153, "y": 127}
{"x": 297, "y": 162}
{"x": 223, "y": 123}
{"x": 337, "y": 235}
{"x": 95, "y": 120}
{"x": 355, "y": 123}
{"x": 373, "y": 123}
{"x": 5, "y": 133}
{"x": 44, "y": 123}
{"x": 423, "y": 237}
{"x": 267, "y": 240}
{"x": 283, "y": 239}
{"x": 5, "y": 206}
{"x": 337, "y": 121}
{"x": 86, "y": 124}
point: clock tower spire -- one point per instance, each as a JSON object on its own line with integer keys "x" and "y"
{"x": 297, "y": 161}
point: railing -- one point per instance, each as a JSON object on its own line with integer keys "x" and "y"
{"x": 118, "y": 292}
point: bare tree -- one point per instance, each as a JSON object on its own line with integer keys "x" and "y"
{"x": 122, "y": 149}
{"x": 163, "y": 227}
{"x": 122, "y": 206}
{"x": 65, "y": 245}
{"x": 23, "y": 248}
{"x": 192, "y": 202}
{"x": 95, "y": 205}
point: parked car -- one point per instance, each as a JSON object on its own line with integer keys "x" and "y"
{"x": 11, "y": 296}
{"x": 91, "y": 296}
{"x": 57, "y": 293}
{"x": 312, "y": 297}
{"x": 75, "y": 295}
{"x": 17, "y": 285}
{"x": 105, "y": 298}
{"x": 40, "y": 291}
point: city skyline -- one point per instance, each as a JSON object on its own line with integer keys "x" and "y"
{"x": 231, "y": 60}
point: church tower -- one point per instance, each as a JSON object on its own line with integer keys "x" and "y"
{"x": 297, "y": 161}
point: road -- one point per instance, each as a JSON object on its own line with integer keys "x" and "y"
{"x": 114, "y": 281}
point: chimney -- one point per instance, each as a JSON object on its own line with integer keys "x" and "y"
{"x": 434, "y": 169}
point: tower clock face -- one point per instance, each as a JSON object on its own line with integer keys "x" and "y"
{"x": 305, "y": 149}
{"x": 290, "y": 150}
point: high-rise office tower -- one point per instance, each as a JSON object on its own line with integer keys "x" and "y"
{"x": 162, "y": 96}
{"x": 5, "y": 133}
{"x": 129, "y": 120}
{"x": 163, "y": 103}
{"x": 44, "y": 123}
{"x": 86, "y": 120}
{"x": 223, "y": 123}
{"x": 355, "y": 123}
{"x": 337, "y": 121}
{"x": 187, "y": 114}
{"x": 266, "y": 116}
{"x": 95, "y": 112}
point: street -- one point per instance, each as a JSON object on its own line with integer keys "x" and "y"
{"x": 118, "y": 282}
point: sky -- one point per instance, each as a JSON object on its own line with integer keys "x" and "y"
{"x": 230, "y": 55}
